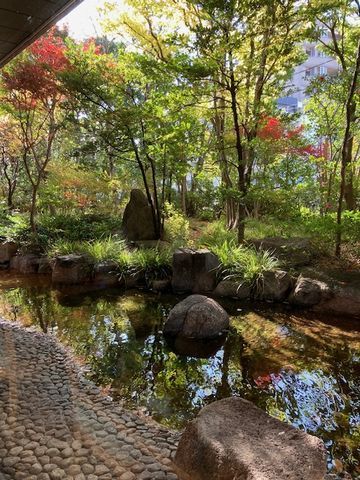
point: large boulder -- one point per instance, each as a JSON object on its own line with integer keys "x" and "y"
{"x": 274, "y": 286}
{"x": 309, "y": 292}
{"x": 106, "y": 273}
{"x": 7, "y": 250}
{"x": 71, "y": 269}
{"x": 345, "y": 301}
{"x": 194, "y": 271}
{"x": 232, "y": 439}
{"x": 197, "y": 317}
{"x": 137, "y": 221}
{"x": 232, "y": 289}
{"x": 25, "y": 264}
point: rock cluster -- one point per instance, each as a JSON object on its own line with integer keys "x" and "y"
{"x": 193, "y": 271}
{"x": 56, "y": 425}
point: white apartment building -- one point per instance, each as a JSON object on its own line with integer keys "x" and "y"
{"x": 317, "y": 63}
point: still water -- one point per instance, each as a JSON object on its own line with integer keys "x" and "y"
{"x": 300, "y": 369}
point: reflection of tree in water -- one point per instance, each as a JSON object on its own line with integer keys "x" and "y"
{"x": 34, "y": 303}
{"x": 293, "y": 370}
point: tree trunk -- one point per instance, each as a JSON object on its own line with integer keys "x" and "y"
{"x": 33, "y": 209}
{"x": 183, "y": 191}
{"x": 10, "y": 202}
{"x": 242, "y": 188}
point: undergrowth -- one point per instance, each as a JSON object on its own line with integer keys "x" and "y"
{"x": 154, "y": 263}
{"x": 243, "y": 263}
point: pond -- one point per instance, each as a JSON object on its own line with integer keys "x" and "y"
{"x": 301, "y": 369}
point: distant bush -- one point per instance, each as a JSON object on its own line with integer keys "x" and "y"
{"x": 54, "y": 228}
{"x": 216, "y": 234}
{"x": 11, "y": 225}
{"x": 177, "y": 228}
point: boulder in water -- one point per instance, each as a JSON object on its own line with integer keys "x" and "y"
{"x": 197, "y": 317}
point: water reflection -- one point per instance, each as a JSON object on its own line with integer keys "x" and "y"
{"x": 300, "y": 370}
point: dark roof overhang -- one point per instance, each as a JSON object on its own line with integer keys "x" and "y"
{"x": 23, "y": 21}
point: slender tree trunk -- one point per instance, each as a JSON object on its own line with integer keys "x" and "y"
{"x": 219, "y": 127}
{"x": 349, "y": 195}
{"x": 10, "y": 199}
{"x": 242, "y": 188}
{"x": 145, "y": 182}
{"x": 156, "y": 198}
{"x": 33, "y": 209}
{"x": 183, "y": 191}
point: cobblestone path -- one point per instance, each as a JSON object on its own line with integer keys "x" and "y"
{"x": 54, "y": 424}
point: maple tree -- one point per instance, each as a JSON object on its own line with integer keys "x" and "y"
{"x": 32, "y": 96}
{"x": 286, "y": 140}
{"x": 10, "y": 148}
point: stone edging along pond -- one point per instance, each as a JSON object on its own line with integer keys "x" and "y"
{"x": 193, "y": 271}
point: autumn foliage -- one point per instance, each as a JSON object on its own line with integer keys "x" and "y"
{"x": 33, "y": 79}
{"x": 286, "y": 140}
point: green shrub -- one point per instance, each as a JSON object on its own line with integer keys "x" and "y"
{"x": 57, "y": 228}
{"x": 216, "y": 234}
{"x": 177, "y": 228}
{"x": 11, "y": 225}
{"x": 80, "y": 227}
{"x": 351, "y": 225}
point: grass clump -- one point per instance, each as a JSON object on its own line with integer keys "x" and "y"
{"x": 100, "y": 250}
{"x": 237, "y": 262}
{"x": 243, "y": 263}
{"x": 156, "y": 264}
{"x": 153, "y": 263}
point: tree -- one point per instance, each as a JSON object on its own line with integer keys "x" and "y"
{"x": 346, "y": 151}
{"x": 137, "y": 114}
{"x": 10, "y": 153}
{"x": 33, "y": 97}
{"x": 237, "y": 55}
{"x": 324, "y": 111}
{"x": 335, "y": 25}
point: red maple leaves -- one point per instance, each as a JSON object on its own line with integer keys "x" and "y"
{"x": 286, "y": 140}
{"x": 34, "y": 78}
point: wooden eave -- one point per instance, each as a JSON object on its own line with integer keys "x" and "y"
{"x": 23, "y": 21}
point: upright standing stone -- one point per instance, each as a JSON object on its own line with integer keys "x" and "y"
{"x": 138, "y": 221}
{"x": 194, "y": 271}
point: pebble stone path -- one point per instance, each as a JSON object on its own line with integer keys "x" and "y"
{"x": 54, "y": 424}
